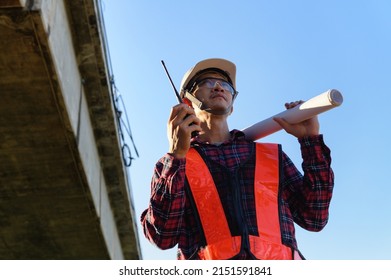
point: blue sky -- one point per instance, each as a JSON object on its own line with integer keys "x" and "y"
{"x": 284, "y": 51}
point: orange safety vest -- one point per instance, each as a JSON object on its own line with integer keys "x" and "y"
{"x": 220, "y": 244}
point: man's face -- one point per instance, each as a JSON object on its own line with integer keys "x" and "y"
{"x": 215, "y": 93}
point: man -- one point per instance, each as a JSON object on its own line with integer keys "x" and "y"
{"x": 217, "y": 195}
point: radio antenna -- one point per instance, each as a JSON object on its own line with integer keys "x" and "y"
{"x": 172, "y": 83}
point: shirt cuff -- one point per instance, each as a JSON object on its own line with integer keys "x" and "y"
{"x": 171, "y": 164}
{"x": 309, "y": 141}
{"x": 314, "y": 148}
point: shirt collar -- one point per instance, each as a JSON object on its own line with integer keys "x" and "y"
{"x": 234, "y": 136}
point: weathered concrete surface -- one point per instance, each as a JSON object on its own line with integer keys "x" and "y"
{"x": 63, "y": 187}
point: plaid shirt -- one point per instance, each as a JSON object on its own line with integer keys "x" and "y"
{"x": 170, "y": 220}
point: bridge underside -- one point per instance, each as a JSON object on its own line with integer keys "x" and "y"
{"x": 63, "y": 189}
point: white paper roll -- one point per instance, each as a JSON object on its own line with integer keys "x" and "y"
{"x": 312, "y": 107}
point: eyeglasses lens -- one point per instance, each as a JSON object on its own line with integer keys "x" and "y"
{"x": 211, "y": 83}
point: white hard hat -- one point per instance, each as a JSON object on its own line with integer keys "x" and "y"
{"x": 223, "y": 66}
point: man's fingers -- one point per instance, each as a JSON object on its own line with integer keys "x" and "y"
{"x": 283, "y": 123}
{"x": 290, "y": 105}
{"x": 180, "y": 111}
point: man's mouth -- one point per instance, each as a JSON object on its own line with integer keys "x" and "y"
{"x": 218, "y": 95}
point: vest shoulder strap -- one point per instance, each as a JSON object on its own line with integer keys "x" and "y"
{"x": 205, "y": 195}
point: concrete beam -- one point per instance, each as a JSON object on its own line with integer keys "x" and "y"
{"x": 64, "y": 193}
{"x": 13, "y": 3}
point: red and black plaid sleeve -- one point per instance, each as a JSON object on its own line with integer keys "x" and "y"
{"x": 307, "y": 197}
{"x": 162, "y": 220}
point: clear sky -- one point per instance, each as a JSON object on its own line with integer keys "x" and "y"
{"x": 284, "y": 51}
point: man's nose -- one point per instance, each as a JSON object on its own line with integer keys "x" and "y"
{"x": 218, "y": 86}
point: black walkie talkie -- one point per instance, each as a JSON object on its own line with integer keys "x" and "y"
{"x": 180, "y": 100}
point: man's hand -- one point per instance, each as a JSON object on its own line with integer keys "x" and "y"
{"x": 181, "y": 123}
{"x": 308, "y": 127}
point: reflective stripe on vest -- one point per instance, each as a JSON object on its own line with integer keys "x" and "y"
{"x": 220, "y": 244}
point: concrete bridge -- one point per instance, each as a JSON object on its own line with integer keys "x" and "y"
{"x": 64, "y": 186}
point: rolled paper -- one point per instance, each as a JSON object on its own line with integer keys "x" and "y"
{"x": 312, "y": 107}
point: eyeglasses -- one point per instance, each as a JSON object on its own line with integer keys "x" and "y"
{"x": 211, "y": 83}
